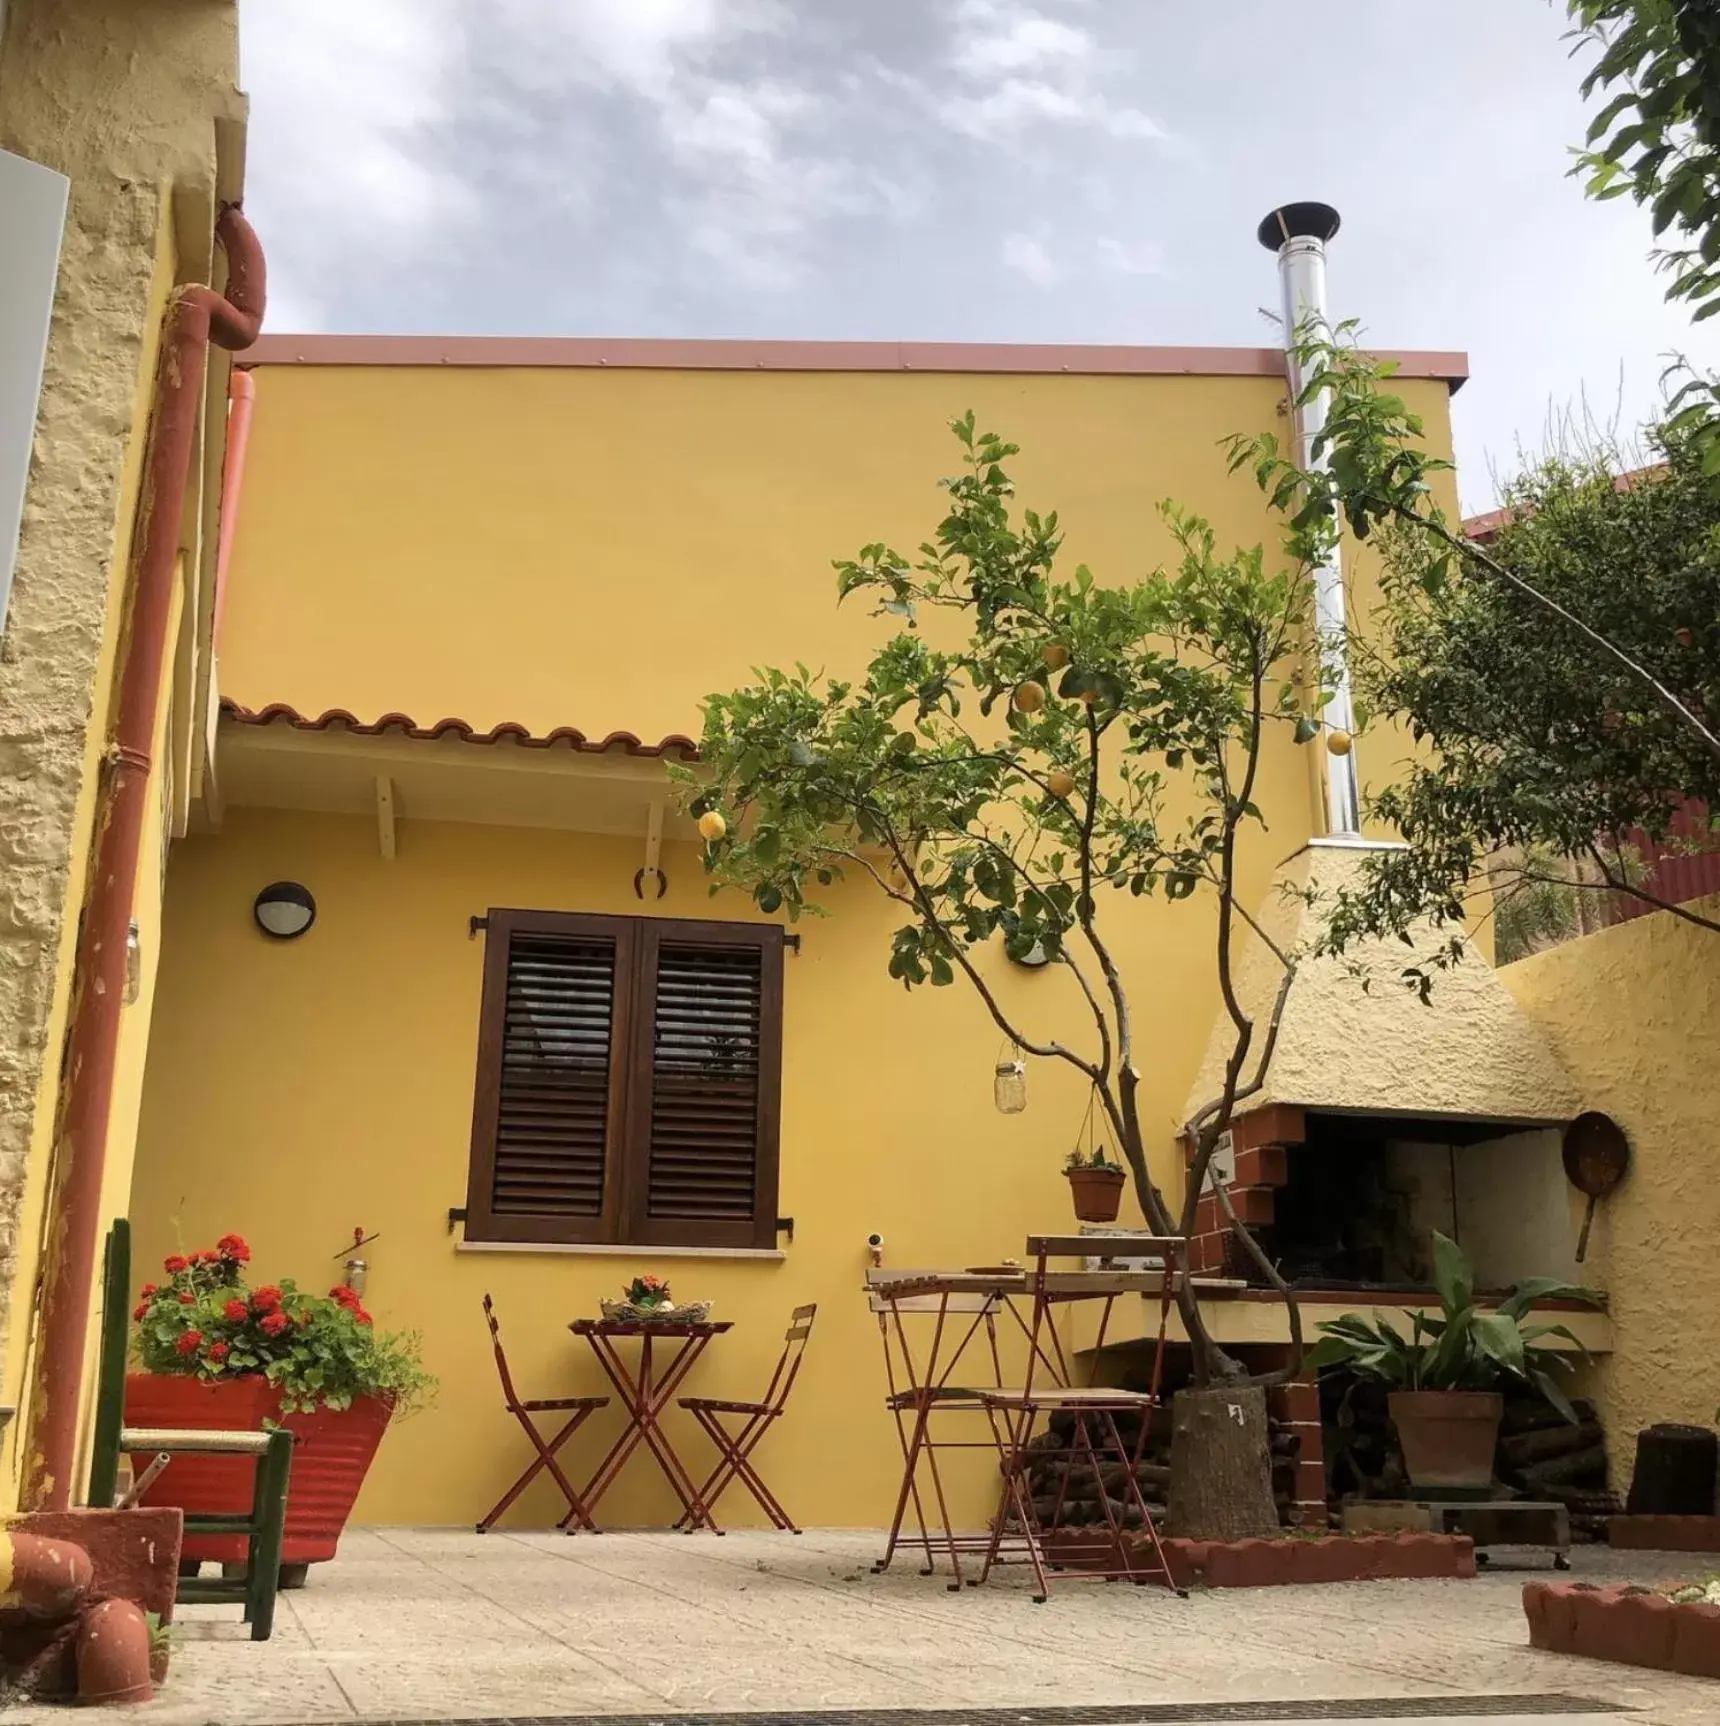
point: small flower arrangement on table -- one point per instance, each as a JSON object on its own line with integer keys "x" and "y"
{"x": 322, "y": 1350}
{"x": 648, "y": 1298}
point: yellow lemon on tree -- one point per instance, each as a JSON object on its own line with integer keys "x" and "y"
{"x": 1061, "y": 781}
{"x": 1029, "y": 698}
{"x": 1056, "y": 655}
{"x": 1338, "y": 742}
{"x": 712, "y": 826}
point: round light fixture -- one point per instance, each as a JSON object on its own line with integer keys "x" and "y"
{"x": 1033, "y": 958}
{"x": 284, "y": 910}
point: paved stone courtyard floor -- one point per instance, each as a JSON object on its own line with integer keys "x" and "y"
{"x": 412, "y": 1625}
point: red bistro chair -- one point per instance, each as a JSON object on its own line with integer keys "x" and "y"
{"x": 756, "y": 1419}
{"x": 578, "y": 1409}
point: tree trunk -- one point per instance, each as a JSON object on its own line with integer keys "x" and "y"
{"x": 1221, "y": 1477}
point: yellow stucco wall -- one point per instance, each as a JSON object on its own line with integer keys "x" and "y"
{"x": 1634, "y": 1013}
{"x": 123, "y": 96}
{"x": 578, "y": 547}
{"x": 32, "y": 1192}
{"x": 298, "y": 1089}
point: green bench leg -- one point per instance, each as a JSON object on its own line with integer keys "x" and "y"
{"x": 269, "y": 1521}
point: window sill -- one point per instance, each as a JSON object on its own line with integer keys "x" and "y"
{"x": 605, "y": 1250}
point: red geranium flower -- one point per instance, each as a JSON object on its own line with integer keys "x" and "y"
{"x": 190, "y": 1342}
{"x": 362, "y": 1316}
{"x": 343, "y": 1296}
{"x": 236, "y": 1310}
{"x": 187, "y": 1298}
{"x": 174, "y": 1263}
{"x": 141, "y": 1313}
{"x": 147, "y": 1290}
{"x": 233, "y": 1247}
{"x": 275, "y": 1323}
{"x": 217, "y": 1351}
{"x": 265, "y": 1299}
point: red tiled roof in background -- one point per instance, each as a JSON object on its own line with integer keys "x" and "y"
{"x": 401, "y": 725}
{"x": 1485, "y": 528}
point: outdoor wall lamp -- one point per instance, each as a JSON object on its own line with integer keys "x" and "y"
{"x": 284, "y": 910}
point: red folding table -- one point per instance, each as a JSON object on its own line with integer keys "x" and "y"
{"x": 644, "y": 1395}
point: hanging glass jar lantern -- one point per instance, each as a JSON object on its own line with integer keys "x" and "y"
{"x": 1009, "y": 1086}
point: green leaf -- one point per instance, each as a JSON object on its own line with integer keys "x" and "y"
{"x": 1452, "y": 1276}
{"x": 1497, "y": 1337}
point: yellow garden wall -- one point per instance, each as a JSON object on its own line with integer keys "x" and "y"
{"x": 1634, "y": 1012}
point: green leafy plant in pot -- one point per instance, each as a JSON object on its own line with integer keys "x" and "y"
{"x": 1096, "y": 1185}
{"x": 1446, "y": 1379}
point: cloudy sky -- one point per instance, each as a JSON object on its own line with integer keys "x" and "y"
{"x": 979, "y": 170}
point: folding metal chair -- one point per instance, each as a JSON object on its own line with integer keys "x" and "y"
{"x": 757, "y": 1418}
{"x": 578, "y": 1409}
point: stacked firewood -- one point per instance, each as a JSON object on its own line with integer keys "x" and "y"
{"x": 1070, "y": 1492}
{"x": 1542, "y": 1456}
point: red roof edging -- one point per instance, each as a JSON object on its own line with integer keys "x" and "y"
{"x": 509, "y": 731}
{"x": 654, "y": 353}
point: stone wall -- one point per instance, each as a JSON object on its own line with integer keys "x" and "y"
{"x": 122, "y": 96}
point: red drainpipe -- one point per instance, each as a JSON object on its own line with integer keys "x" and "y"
{"x": 198, "y": 316}
{"x": 242, "y": 393}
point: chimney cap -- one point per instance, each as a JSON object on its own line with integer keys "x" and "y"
{"x": 1297, "y": 221}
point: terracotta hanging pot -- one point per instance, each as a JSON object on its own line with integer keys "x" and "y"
{"x": 1448, "y": 1436}
{"x": 1098, "y": 1194}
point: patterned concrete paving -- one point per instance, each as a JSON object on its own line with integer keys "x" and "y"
{"x": 411, "y": 1625}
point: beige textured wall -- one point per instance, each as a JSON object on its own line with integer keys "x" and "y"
{"x": 121, "y": 96}
{"x": 1343, "y": 1045}
{"x": 1634, "y": 1012}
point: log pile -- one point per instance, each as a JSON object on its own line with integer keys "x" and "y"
{"x": 1541, "y": 1456}
{"x": 1068, "y": 1493}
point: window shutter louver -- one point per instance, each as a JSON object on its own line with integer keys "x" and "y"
{"x": 705, "y": 1083}
{"x": 552, "y": 1110}
{"x": 629, "y": 1082}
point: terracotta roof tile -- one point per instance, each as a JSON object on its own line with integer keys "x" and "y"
{"x": 509, "y": 731}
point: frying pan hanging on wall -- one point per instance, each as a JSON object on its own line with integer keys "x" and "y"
{"x": 1597, "y": 1158}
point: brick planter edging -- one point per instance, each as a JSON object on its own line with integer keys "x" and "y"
{"x": 1289, "y": 1560}
{"x": 1664, "y": 1533}
{"x": 1634, "y": 1626}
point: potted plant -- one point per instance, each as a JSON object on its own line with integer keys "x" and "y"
{"x": 218, "y": 1354}
{"x": 1445, "y": 1378}
{"x": 1095, "y": 1183}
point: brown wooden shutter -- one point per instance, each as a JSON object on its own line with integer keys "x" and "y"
{"x": 548, "y": 1119}
{"x": 706, "y": 1076}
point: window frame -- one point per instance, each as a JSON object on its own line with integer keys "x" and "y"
{"x": 624, "y": 1219}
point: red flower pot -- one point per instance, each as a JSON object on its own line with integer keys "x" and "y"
{"x": 332, "y": 1452}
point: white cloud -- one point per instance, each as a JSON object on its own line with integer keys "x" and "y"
{"x": 1028, "y": 257}
{"x": 347, "y": 96}
{"x": 1017, "y": 67}
{"x": 1023, "y": 42}
{"x": 1122, "y": 259}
